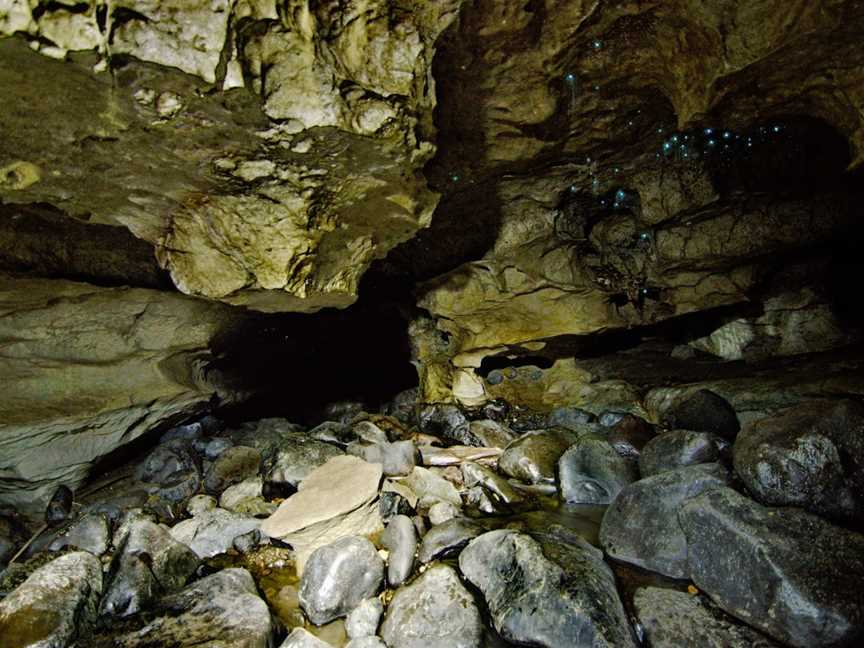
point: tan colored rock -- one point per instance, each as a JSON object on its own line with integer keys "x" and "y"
{"x": 88, "y": 369}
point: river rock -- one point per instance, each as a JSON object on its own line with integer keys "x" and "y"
{"x": 166, "y": 462}
{"x": 399, "y": 458}
{"x": 811, "y": 456}
{"x": 492, "y": 434}
{"x": 474, "y": 474}
{"x": 592, "y": 472}
{"x": 673, "y": 619}
{"x": 246, "y": 498}
{"x": 441, "y": 512}
{"x": 571, "y": 418}
{"x": 219, "y": 611}
{"x": 560, "y": 595}
{"x": 302, "y": 638}
{"x": 366, "y": 642}
{"x": 434, "y": 611}
{"x": 703, "y": 411}
{"x": 641, "y": 526}
{"x": 336, "y": 500}
{"x": 784, "y": 571}
{"x": 447, "y": 422}
{"x": 338, "y": 577}
{"x": 447, "y": 539}
{"x": 213, "y": 532}
{"x": 363, "y": 620}
{"x": 400, "y": 539}
{"x": 430, "y": 488}
{"x": 147, "y": 563}
{"x": 630, "y": 435}
{"x": 91, "y": 533}
{"x": 232, "y": 467}
{"x": 534, "y": 456}
{"x": 677, "y": 448}
{"x": 55, "y": 605}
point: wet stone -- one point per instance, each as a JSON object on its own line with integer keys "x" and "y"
{"x": 703, "y": 411}
{"x": 91, "y": 533}
{"x": 447, "y": 422}
{"x": 338, "y": 577}
{"x": 676, "y": 449}
{"x": 363, "y": 620}
{"x": 232, "y": 467}
{"x": 534, "y": 456}
{"x": 447, "y": 539}
{"x": 400, "y": 539}
{"x": 434, "y": 611}
{"x": 592, "y": 472}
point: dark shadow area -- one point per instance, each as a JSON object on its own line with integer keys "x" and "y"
{"x": 492, "y": 363}
{"x": 41, "y": 240}
{"x": 296, "y": 364}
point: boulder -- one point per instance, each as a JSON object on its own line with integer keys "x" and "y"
{"x": 534, "y": 456}
{"x": 491, "y": 434}
{"x": 673, "y": 619}
{"x": 555, "y": 596}
{"x": 677, "y": 448}
{"x": 338, "y": 577}
{"x": 212, "y": 532}
{"x": 221, "y": 611}
{"x": 447, "y": 539}
{"x": 703, "y": 411}
{"x": 363, "y": 620}
{"x": 400, "y": 539}
{"x": 784, "y": 571}
{"x": 430, "y": 488}
{"x": 474, "y": 474}
{"x": 592, "y": 472}
{"x": 630, "y": 435}
{"x": 232, "y": 467}
{"x": 448, "y": 423}
{"x": 641, "y": 526}
{"x": 811, "y": 456}
{"x": 434, "y": 611}
{"x": 91, "y": 533}
{"x": 56, "y": 605}
{"x": 147, "y": 563}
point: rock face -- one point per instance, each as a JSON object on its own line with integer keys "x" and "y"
{"x": 56, "y": 604}
{"x": 338, "y": 577}
{"x": 641, "y": 526}
{"x": 140, "y": 356}
{"x": 566, "y": 598}
{"x": 434, "y": 611}
{"x": 673, "y": 619}
{"x": 796, "y": 577}
{"x": 810, "y": 456}
{"x": 297, "y": 135}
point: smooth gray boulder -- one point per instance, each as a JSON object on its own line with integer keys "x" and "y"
{"x": 592, "y": 472}
{"x": 641, "y": 526}
{"x": 400, "y": 539}
{"x": 703, "y": 411}
{"x": 534, "y": 456}
{"x": 673, "y": 619}
{"x": 786, "y": 572}
{"x": 675, "y": 449}
{"x": 338, "y": 577}
{"x": 447, "y": 539}
{"x": 364, "y": 619}
{"x": 560, "y": 595}
{"x": 55, "y": 605}
{"x": 147, "y": 563}
{"x": 811, "y": 456}
{"x": 434, "y": 611}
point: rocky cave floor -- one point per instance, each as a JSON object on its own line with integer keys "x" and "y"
{"x": 433, "y": 526}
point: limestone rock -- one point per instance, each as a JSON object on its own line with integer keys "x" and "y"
{"x": 335, "y": 500}
{"x": 642, "y": 527}
{"x": 338, "y": 577}
{"x": 400, "y": 539}
{"x": 674, "y": 619}
{"x": 140, "y": 353}
{"x": 363, "y": 620}
{"x": 434, "y": 611}
{"x": 567, "y": 598}
{"x": 810, "y": 456}
{"x": 797, "y": 578}
{"x": 55, "y": 605}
